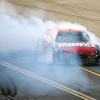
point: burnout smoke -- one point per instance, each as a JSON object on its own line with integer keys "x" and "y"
{"x": 18, "y": 33}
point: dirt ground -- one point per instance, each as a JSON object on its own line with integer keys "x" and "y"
{"x": 85, "y": 12}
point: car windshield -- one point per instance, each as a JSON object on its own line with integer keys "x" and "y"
{"x": 71, "y": 37}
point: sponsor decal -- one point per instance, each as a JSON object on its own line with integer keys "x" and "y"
{"x": 76, "y": 44}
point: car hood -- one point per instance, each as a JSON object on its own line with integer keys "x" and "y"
{"x": 77, "y": 47}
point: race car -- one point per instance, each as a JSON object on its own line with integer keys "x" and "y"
{"x": 72, "y": 46}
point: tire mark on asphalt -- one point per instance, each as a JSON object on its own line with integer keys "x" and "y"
{"x": 72, "y": 7}
{"x": 62, "y": 13}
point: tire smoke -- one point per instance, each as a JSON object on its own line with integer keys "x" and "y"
{"x": 23, "y": 34}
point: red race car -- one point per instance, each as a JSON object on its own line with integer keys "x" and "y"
{"x": 72, "y": 46}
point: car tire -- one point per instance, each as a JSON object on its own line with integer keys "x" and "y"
{"x": 97, "y": 63}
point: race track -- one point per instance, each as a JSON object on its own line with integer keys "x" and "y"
{"x": 59, "y": 78}
{"x": 39, "y": 81}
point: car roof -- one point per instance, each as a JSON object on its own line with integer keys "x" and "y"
{"x": 70, "y": 30}
{"x": 55, "y": 32}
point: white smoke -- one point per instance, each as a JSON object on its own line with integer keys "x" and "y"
{"x": 20, "y": 34}
{"x": 25, "y": 34}
{"x": 93, "y": 38}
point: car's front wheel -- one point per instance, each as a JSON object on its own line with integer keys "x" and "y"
{"x": 97, "y": 63}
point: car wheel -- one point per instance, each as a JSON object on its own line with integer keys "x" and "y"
{"x": 97, "y": 63}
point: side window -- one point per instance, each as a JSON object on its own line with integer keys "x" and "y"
{"x": 86, "y": 36}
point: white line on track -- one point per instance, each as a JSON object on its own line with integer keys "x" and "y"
{"x": 47, "y": 81}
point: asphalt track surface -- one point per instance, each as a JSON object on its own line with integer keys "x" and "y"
{"x": 84, "y": 80}
{"x": 49, "y": 81}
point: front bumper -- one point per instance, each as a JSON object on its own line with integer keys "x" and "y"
{"x": 78, "y": 58}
